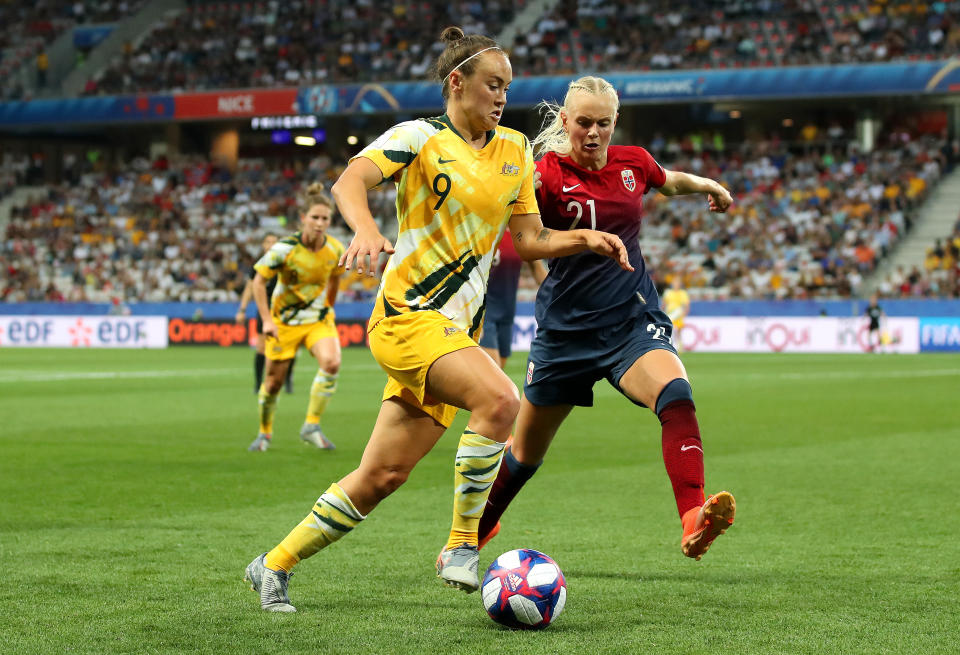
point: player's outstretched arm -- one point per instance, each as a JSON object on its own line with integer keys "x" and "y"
{"x": 533, "y": 241}
{"x": 681, "y": 184}
{"x": 245, "y": 298}
{"x": 350, "y": 193}
{"x": 263, "y": 305}
{"x": 333, "y": 289}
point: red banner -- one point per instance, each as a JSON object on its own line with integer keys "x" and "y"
{"x": 232, "y": 104}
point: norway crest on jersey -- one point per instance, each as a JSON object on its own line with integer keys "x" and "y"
{"x": 629, "y": 180}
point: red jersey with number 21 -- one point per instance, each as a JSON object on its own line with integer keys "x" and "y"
{"x": 587, "y": 290}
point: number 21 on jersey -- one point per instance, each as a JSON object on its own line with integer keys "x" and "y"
{"x": 574, "y": 206}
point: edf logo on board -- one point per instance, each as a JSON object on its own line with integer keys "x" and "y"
{"x": 83, "y": 331}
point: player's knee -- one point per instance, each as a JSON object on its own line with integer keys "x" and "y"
{"x": 676, "y": 390}
{"x": 330, "y": 366}
{"x": 273, "y": 384}
{"x": 386, "y": 480}
{"x": 502, "y": 407}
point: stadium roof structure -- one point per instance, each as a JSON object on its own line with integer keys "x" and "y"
{"x": 923, "y": 78}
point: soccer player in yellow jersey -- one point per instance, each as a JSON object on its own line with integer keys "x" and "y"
{"x": 676, "y": 304}
{"x": 461, "y": 180}
{"x": 300, "y": 312}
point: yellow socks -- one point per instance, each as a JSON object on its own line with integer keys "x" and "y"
{"x": 268, "y": 407}
{"x": 324, "y": 384}
{"x": 478, "y": 460}
{"x": 332, "y": 517}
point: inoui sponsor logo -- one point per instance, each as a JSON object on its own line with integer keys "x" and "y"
{"x": 778, "y": 336}
{"x": 692, "y": 336}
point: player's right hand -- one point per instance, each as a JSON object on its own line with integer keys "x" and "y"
{"x": 270, "y": 329}
{"x": 365, "y": 250}
{"x": 719, "y": 200}
{"x": 604, "y": 243}
{"x": 537, "y": 183}
{"x": 241, "y": 317}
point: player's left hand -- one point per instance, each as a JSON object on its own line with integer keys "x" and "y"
{"x": 720, "y": 199}
{"x": 604, "y": 243}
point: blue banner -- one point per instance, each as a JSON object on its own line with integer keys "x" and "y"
{"x": 939, "y": 334}
{"x": 926, "y": 77}
{"x": 100, "y": 109}
{"x": 89, "y": 36}
{"x": 913, "y": 78}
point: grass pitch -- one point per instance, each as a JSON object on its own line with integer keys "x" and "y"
{"x": 129, "y": 508}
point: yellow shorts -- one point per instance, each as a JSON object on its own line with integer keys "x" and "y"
{"x": 291, "y": 336}
{"x": 406, "y": 346}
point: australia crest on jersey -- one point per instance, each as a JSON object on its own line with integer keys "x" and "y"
{"x": 629, "y": 180}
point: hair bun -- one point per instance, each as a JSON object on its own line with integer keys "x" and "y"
{"x": 315, "y": 187}
{"x": 452, "y": 34}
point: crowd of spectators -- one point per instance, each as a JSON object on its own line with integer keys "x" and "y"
{"x": 266, "y": 44}
{"x": 609, "y": 35}
{"x": 938, "y": 277}
{"x": 807, "y": 222}
{"x": 29, "y": 27}
{"x": 178, "y": 230}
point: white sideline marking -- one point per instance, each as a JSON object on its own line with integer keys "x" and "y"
{"x": 43, "y": 376}
{"x": 17, "y": 376}
{"x": 845, "y": 375}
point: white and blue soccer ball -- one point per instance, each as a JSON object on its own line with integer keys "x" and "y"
{"x": 524, "y": 589}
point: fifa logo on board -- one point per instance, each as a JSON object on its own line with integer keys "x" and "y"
{"x": 510, "y": 169}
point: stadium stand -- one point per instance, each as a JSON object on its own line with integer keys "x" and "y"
{"x": 156, "y": 231}
{"x": 803, "y": 225}
{"x": 28, "y": 28}
{"x": 215, "y": 45}
{"x": 610, "y": 35}
{"x": 939, "y": 277}
{"x": 806, "y": 223}
{"x": 266, "y": 44}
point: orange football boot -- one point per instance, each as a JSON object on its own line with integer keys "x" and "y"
{"x": 701, "y": 525}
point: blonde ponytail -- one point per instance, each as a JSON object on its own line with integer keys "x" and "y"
{"x": 552, "y": 136}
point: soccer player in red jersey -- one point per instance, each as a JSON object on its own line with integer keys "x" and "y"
{"x": 596, "y": 320}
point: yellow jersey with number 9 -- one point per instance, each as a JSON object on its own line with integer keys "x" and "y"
{"x": 453, "y": 205}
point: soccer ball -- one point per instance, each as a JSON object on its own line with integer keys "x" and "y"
{"x": 524, "y": 589}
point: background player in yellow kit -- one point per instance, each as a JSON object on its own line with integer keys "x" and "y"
{"x": 300, "y": 312}
{"x": 461, "y": 179}
{"x": 259, "y": 358}
{"x": 676, "y": 304}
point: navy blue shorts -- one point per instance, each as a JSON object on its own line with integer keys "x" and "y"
{"x": 498, "y": 335}
{"x": 565, "y": 364}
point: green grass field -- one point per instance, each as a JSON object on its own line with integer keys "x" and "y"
{"x": 129, "y": 508}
